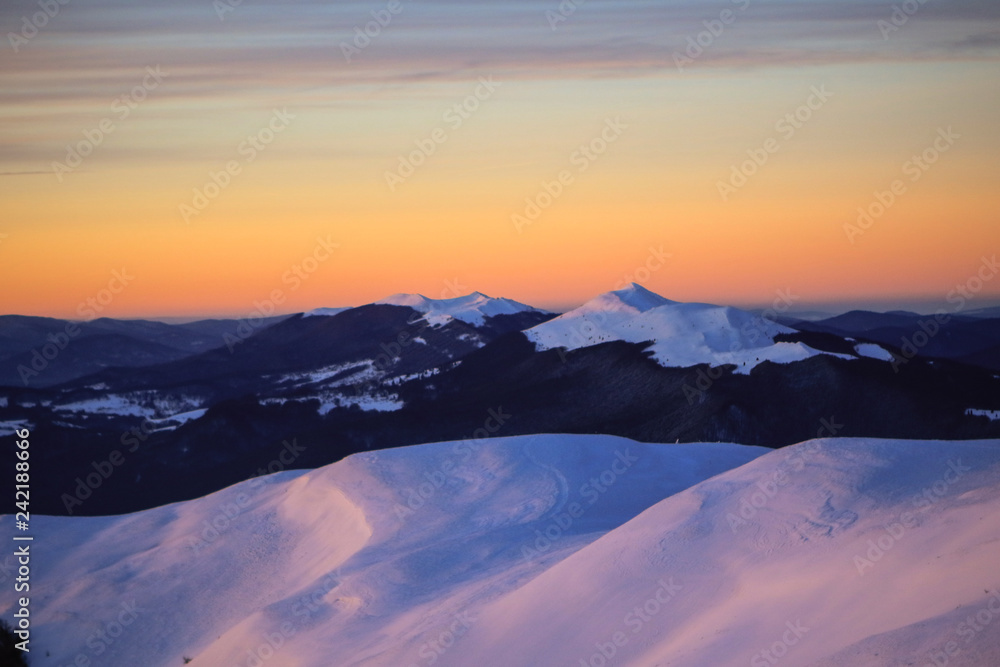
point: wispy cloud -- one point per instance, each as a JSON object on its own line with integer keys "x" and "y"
{"x": 269, "y": 52}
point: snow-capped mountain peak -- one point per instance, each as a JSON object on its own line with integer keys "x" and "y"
{"x": 682, "y": 334}
{"x": 472, "y": 308}
{"x": 404, "y": 299}
{"x": 324, "y": 312}
{"x": 634, "y": 298}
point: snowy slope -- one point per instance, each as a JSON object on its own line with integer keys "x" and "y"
{"x": 382, "y": 546}
{"x": 472, "y": 308}
{"x": 683, "y": 334}
{"x": 860, "y": 552}
{"x": 546, "y": 550}
{"x": 873, "y": 351}
{"x": 324, "y": 312}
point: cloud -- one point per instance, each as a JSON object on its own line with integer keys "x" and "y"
{"x": 288, "y": 45}
{"x": 274, "y": 53}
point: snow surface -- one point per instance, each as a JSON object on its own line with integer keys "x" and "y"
{"x": 174, "y": 421}
{"x": 873, "y": 351}
{"x": 491, "y": 553}
{"x": 111, "y": 404}
{"x": 324, "y": 312}
{"x": 848, "y": 550}
{"x": 368, "y": 403}
{"x": 331, "y": 400}
{"x": 472, "y": 308}
{"x": 992, "y": 415}
{"x": 147, "y": 404}
{"x": 682, "y": 334}
{"x": 361, "y": 371}
{"x": 10, "y": 427}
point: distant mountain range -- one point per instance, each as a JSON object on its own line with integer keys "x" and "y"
{"x": 195, "y": 407}
{"x": 43, "y": 352}
{"x": 971, "y": 338}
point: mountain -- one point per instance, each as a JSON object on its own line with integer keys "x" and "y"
{"x": 43, "y": 352}
{"x": 545, "y": 550}
{"x": 681, "y": 334}
{"x": 380, "y": 376}
{"x": 324, "y": 312}
{"x": 971, "y": 338}
{"x": 984, "y": 313}
{"x": 475, "y": 308}
{"x": 860, "y": 321}
{"x": 310, "y": 356}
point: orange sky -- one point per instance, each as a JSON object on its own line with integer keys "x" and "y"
{"x": 654, "y": 190}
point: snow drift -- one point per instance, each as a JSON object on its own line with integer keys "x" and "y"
{"x": 546, "y": 550}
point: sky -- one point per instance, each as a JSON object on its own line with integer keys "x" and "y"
{"x": 200, "y": 158}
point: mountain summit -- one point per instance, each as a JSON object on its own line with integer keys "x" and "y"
{"x": 681, "y": 334}
{"x": 472, "y": 308}
{"x": 634, "y": 298}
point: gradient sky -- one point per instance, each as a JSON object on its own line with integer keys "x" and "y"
{"x": 448, "y": 228}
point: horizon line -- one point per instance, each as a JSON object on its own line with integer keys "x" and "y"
{"x": 829, "y": 308}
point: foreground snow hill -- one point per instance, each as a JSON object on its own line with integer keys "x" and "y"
{"x": 546, "y": 550}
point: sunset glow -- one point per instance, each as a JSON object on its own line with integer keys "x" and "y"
{"x": 501, "y": 147}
